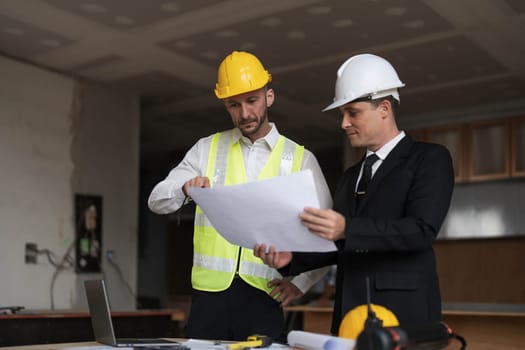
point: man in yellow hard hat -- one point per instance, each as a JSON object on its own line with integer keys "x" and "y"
{"x": 234, "y": 293}
{"x": 388, "y": 208}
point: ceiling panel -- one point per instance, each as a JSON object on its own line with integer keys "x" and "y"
{"x": 97, "y": 62}
{"x": 126, "y": 14}
{"x": 313, "y": 86}
{"x": 159, "y": 87}
{"x": 21, "y": 39}
{"x": 517, "y": 5}
{"x": 451, "y": 54}
{"x": 425, "y": 65}
{"x": 314, "y": 31}
{"x": 440, "y": 61}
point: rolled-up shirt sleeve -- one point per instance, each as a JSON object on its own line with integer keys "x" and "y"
{"x": 167, "y": 196}
{"x": 306, "y": 280}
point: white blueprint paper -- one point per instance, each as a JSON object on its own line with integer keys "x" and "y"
{"x": 316, "y": 341}
{"x": 264, "y": 212}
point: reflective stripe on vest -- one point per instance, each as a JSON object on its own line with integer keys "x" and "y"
{"x": 215, "y": 259}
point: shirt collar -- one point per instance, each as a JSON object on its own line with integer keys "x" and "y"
{"x": 270, "y": 139}
{"x": 383, "y": 152}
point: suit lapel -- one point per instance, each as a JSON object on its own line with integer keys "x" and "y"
{"x": 344, "y": 196}
{"x": 396, "y": 156}
{"x": 352, "y": 184}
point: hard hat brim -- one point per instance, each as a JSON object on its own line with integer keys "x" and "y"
{"x": 374, "y": 96}
{"x": 334, "y": 105}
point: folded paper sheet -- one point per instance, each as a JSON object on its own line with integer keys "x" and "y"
{"x": 264, "y": 212}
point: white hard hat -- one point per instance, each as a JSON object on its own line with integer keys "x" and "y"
{"x": 365, "y": 75}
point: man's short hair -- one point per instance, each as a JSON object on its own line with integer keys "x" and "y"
{"x": 393, "y": 102}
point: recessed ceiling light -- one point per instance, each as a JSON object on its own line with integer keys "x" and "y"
{"x": 211, "y": 55}
{"x": 50, "y": 42}
{"x": 395, "y": 11}
{"x": 14, "y": 31}
{"x": 431, "y": 76}
{"x": 271, "y": 22}
{"x": 342, "y": 23}
{"x": 296, "y": 35}
{"x": 319, "y": 10}
{"x": 184, "y": 44}
{"x": 124, "y": 20}
{"x": 226, "y": 34}
{"x": 415, "y": 24}
{"x": 170, "y": 7}
{"x": 90, "y": 7}
{"x": 248, "y": 46}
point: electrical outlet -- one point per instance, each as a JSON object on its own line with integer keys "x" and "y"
{"x": 31, "y": 253}
{"x": 110, "y": 254}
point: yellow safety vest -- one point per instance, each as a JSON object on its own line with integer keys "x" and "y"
{"x": 215, "y": 260}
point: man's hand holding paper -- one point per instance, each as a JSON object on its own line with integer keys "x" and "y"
{"x": 265, "y": 211}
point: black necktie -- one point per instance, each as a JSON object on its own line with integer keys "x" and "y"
{"x": 365, "y": 178}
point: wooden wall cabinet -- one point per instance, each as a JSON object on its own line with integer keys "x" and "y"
{"x": 451, "y": 137}
{"x": 489, "y": 150}
{"x": 518, "y": 146}
{"x": 482, "y": 150}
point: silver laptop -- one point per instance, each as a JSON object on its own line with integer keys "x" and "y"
{"x": 102, "y": 324}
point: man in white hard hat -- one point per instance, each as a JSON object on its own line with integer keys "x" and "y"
{"x": 234, "y": 294}
{"x": 383, "y": 228}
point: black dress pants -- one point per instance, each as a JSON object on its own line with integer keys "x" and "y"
{"x": 234, "y": 314}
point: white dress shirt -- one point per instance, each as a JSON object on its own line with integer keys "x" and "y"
{"x": 381, "y": 153}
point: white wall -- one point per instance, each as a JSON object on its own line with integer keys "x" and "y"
{"x": 59, "y": 137}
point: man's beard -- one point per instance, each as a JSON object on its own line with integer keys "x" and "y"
{"x": 260, "y": 121}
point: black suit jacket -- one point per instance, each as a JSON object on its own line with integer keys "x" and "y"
{"x": 389, "y": 238}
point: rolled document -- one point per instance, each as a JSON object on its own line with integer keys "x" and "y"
{"x": 315, "y": 341}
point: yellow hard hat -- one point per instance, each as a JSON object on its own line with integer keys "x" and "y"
{"x": 238, "y": 73}
{"x": 354, "y": 321}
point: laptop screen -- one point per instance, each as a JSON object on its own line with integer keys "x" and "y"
{"x": 99, "y": 310}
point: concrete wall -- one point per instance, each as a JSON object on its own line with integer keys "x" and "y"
{"x": 59, "y": 137}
